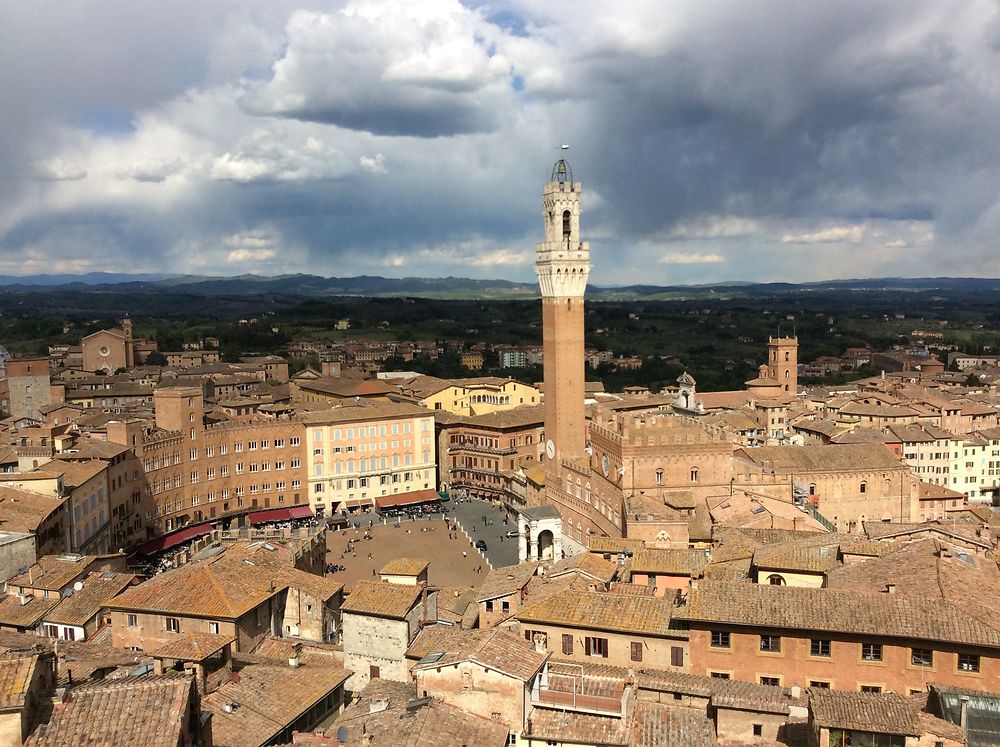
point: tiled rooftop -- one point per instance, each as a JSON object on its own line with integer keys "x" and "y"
{"x": 404, "y": 567}
{"x": 506, "y": 580}
{"x": 395, "y": 725}
{"x": 382, "y": 599}
{"x": 796, "y": 608}
{"x": 16, "y": 671}
{"x": 681, "y": 562}
{"x": 83, "y": 605}
{"x": 656, "y": 724}
{"x": 151, "y": 711}
{"x": 14, "y": 614}
{"x": 192, "y": 646}
{"x": 569, "y": 726}
{"x": 885, "y": 713}
{"x": 613, "y": 612}
{"x": 269, "y": 697}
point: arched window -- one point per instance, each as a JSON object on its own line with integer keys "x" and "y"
{"x": 787, "y": 356}
{"x": 863, "y": 488}
{"x": 659, "y": 477}
{"x": 566, "y": 224}
{"x": 812, "y": 488}
{"x": 694, "y": 474}
{"x": 775, "y": 580}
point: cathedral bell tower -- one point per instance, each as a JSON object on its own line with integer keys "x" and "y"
{"x": 562, "y": 262}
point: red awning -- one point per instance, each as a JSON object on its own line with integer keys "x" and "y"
{"x": 300, "y": 512}
{"x": 172, "y": 540}
{"x": 274, "y": 514}
{"x": 413, "y": 498}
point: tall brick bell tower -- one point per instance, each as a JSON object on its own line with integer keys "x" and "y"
{"x": 562, "y": 262}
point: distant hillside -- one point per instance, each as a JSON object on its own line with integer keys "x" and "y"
{"x": 454, "y": 287}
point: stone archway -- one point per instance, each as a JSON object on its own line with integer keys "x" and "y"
{"x": 545, "y": 541}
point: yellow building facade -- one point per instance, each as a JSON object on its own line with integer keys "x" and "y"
{"x": 358, "y": 454}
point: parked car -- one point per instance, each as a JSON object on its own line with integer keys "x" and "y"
{"x": 512, "y": 534}
{"x": 481, "y": 545}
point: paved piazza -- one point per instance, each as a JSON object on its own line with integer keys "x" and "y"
{"x": 447, "y": 565}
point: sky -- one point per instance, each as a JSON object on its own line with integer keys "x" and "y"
{"x": 716, "y": 141}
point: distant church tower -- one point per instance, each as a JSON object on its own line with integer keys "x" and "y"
{"x": 783, "y": 362}
{"x": 562, "y": 262}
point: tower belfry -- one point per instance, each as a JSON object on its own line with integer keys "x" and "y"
{"x": 562, "y": 262}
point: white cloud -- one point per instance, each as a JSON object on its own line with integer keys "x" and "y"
{"x": 250, "y": 255}
{"x": 851, "y": 234}
{"x": 423, "y": 68}
{"x": 690, "y": 258}
{"x": 59, "y": 170}
{"x": 373, "y": 164}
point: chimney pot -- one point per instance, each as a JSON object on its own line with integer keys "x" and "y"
{"x": 890, "y": 588}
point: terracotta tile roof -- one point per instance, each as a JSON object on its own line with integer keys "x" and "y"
{"x": 508, "y": 579}
{"x": 840, "y": 458}
{"x": 656, "y": 724}
{"x": 14, "y": 614}
{"x": 381, "y": 599}
{"x": 404, "y": 567}
{"x": 729, "y": 570}
{"x": 632, "y": 590}
{"x": 964, "y": 531}
{"x": 885, "y": 713}
{"x": 76, "y": 473}
{"x": 17, "y": 669}
{"x": 779, "y": 536}
{"x": 613, "y": 612}
{"x": 447, "y": 639}
{"x": 494, "y": 649}
{"x": 797, "y": 608}
{"x": 724, "y": 693}
{"x": 939, "y": 727}
{"x": 569, "y": 726}
{"x": 516, "y": 417}
{"x": 614, "y": 545}
{"x": 867, "y": 548}
{"x": 587, "y": 679}
{"x": 24, "y": 511}
{"x": 671, "y": 562}
{"x": 510, "y": 654}
{"x": 589, "y": 564}
{"x": 270, "y": 698}
{"x": 362, "y": 411}
{"x": 207, "y": 588}
{"x": 395, "y": 725}
{"x": 83, "y": 605}
{"x": 151, "y": 711}
{"x": 53, "y": 572}
{"x": 930, "y": 569}
{"x": 192, "y": 646}
{"x": 799, "y": 559}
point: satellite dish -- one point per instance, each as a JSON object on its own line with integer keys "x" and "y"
{"x": 342, "y": 734}
{"x": 78, "y": 586}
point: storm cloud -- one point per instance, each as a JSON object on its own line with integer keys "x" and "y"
{"x": 716, "y": 141}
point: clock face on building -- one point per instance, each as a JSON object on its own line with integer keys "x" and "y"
{"x": 550, "y": 449}
{"x": 605, "y": 465}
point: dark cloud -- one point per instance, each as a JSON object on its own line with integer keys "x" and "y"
{"x": 716, "y": 141}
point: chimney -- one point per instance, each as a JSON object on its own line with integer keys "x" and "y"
{"x": 694, "y": 584}
{"x": 796, "y": 692}
{"x": 890, "y": 588}
{"x": 964, "y": 720}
